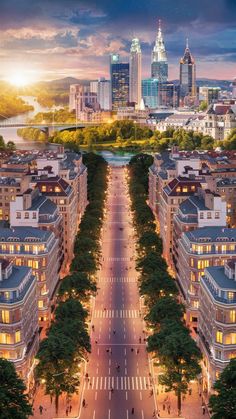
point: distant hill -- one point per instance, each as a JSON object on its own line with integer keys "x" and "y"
{"x": 61, "y": 84}
{"x": 223, "y": 84}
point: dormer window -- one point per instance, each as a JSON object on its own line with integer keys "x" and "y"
{"x": 26, "y": 215}
{"x": 18, "y": 215}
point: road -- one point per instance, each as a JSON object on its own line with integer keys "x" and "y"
{"x": 118, "y": 338}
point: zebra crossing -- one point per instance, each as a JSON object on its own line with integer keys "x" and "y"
{"x": 118, "y": 383}
{"x": 116, "y": 314}
{"x": 115, "y": 279}
{"x": 116, "y": 259}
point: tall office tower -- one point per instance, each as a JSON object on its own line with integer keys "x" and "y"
{"x": 93, "y": 86}
{"x": 150, "y": 93}
{"x": 159, "y": 66}
{"x": 119, "y": 82}
{"x": 135, "y": 72}
{"x": 187, "y": 74}
{"x": 74, "y": 89}
{"x": 104, "y": 94}
{"x": 234, "y": 89}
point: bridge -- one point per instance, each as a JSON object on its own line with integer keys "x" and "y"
{"x": 48, "y": 126}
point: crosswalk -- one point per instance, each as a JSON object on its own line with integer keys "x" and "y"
{"x": 115, "y": 279}
{"x": 115, "y": 314}
{"x": 116, "y": 259}
{"x": 118, "y": 383}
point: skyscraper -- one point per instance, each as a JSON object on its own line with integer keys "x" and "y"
{"x": 159, "y": 66}
{"x": 119, "y": 82}
{"x": 150, "y": 93}
{"x": 104, "y": 94}
{"x": 135, "y": 70}
{"x": 187, "y": 74}
{"x": 234, "y": 89}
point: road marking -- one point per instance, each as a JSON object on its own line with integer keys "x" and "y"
{"x": 142, "y": 415}
{"x": 94, "y": 414}
{"x": 105, "y": 383}
{"x": 109, "y": 414}
{"x": 126, "y": 395}
{"x": 96, "y": 395}
{"x": 140, "y": 396}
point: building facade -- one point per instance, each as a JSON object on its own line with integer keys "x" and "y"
{"x": 150, "y": 93}
{"x": 104, "y": 94}
{"x": 119, "y": 82}
{"x": 217, "y": 321}
{"x": 135, "y": 73}
{"x": 187, "y": 74}
{"x": 159, "y": 64}
{"x": 19, "y": 338}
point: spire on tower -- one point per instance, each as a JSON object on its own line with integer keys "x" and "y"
{"x": 187, "y": 44}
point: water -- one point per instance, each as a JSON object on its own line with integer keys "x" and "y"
{"x": 116, "y": 159}
{"x": 10, "y": 133}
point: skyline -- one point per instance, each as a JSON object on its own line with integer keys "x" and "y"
{"x": 73, "y": 38}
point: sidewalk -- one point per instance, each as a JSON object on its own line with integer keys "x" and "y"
{"x": 191, "y": 404}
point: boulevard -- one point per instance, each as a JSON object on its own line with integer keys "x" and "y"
{"x": 117, "y": 382}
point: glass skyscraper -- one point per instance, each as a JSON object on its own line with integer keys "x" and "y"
{"x": 159, "y": 65}
{"x": 119, "y": 82}
{"x": 150, "y": 93}
{"x": 187, "y": 74}
{"x": 135, "y": 75}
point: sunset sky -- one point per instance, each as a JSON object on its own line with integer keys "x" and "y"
{"x": 48, "y": 39}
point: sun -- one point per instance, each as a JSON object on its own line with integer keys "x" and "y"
{"x": 18, "y": 79}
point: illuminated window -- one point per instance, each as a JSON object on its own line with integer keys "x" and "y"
{"x": 7, "y": 295}
{"x": 27, "y": 248}
{"x": 178, "y": 189}
{"x": 43, "y": 290}
{"x": 17, "y": 336}
{"x": 192, "y": 262}
{"x": 18, "y": 261}
{"x": 35, "y": 250}
{"x": 224, "y": 248}
{"x": 30, "y": 263}
{"x": 62, "y": 202}
{"x": 5, "y": 338}
{"x": 40, "y": 304}
{"x": 232, "y": 247}
{"x": 11, "y": 248}
{"x": 5, "y": 316}
{"x": 44, "y": 188}
{"x": 231, "y": 355}
{"x": 43, "y": 261}
{"x": 57, "y": 189}
{"x": 230, "y": 295}
{"x": 230, "y": 339}
{"x": 232, "y": 316}
{"x": 219, "y": 336}
{"x": 193, "y": 188}
{"x": 185, "y": 189}
{"x": 195, "y": 304}
{"x": 35, "y": 264}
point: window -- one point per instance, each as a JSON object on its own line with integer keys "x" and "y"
{"x": 219, "y": 336}
{"x": 5, "y": 338}
{"x": 26, "y": 215}
{"x": 18, "y": 215}
{"x": 30, "y": 263}
{"x": 44, "y": 188}
{"x": 43, "y": 290}
{"x": 57, "y": 189}
{"x": 17, "y": 336}
{"x": 61, "y": 201}
{"x": 217, "y": 215}
{"x": 192, "y": 262}
{"x": 201, "y": 215}
{"x": 35, "y": 264}
{"x": 209, "y": 215}
{"x": 34, "y": 215}
{"x": 230, "y": 339}
{"x": 230, "y": 295}
{"x": 27, "y": 248}
{"x": 185, "y": 189}
{"x": 5, "y": 316}
{"x": 196, "y": 304}
{"x": 193, "y": 188}
{"x": 40, "y": 304}
{"x": 232, "y": 316}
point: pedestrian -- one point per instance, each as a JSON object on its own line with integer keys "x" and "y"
{"x": 67, "y": 411}
{"x": 132, "y": 349}
{"x": 70, "y": 408}
{"x": 132, "y": 411}
{"x": 41, "y": 409}
{"x": 114, "y": 332}
{"x": 190, "y": 392}
{"x": 164, "y": 407}
{"x": 168, "y": 409}
{"x": 140, "y": 340}
{"x": 137, "y": 351}
{"x": 96, "y": 341}
{"x": 83, "y": 403}
{"x": 203, "y": 409}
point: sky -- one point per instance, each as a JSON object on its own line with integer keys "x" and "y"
{"x": 50, "y": 39}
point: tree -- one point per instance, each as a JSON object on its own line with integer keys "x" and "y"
{"x": 14, "y": 402}
{"x": 157, "y": 285}
{"x": 223, "y": 404}
{"x": 84, "y": 262}
{"x": 203, "y": 106}
{"x": 77, "y": 285}
{"x": 165, "y": 308}
{"x": 56, "y": 366}
{"x": 2, "y": 143}
{"x": 11, "y": 146}
{"x": 179, "y": 356}
{"x": 151, "y": 241}
{"x": 207, "y": 142}
{"x": 150, "y": 263}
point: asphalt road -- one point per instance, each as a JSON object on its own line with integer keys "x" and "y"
{"x": 118, "y": 372}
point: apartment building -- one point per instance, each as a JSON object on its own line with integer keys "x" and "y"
{"x": 226, "y": 188}
{"x": 10, "y": 187}
{"x": 39, "y": 250}
{"x": 31, "y": 209}
{"x": 62, "y": 194}
{"x": 217, "y": 320}
{"x": 199, "y": 249}
{"x": 171, "y": 197}
{"x": 204, "y": 209}
{"x": 19, "y": 338}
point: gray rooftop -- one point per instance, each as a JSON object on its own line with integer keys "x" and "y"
{"x": 27, "y": 234}
{"x": 192, "y": 205}
{"x": 222, "y": 280}
{"x": 15, "y": 279}
{"x": 44, "y": 205}
{"x": 212, "y": 233}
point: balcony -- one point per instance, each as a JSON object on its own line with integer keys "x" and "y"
{"x": 216, "y": 297}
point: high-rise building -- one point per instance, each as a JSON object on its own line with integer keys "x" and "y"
{"x": 74, "y": 89}
{"x": 234, "y": 89}
{"x": 119, "y": 82}
{"x": 150, "y": 93}
{"x": 187, "y": 74}
{"x": 93, "y": 86}
{"x": 135, "y": 72}
{"x": 168, "y": 95}
{"x": 159, "y": 66}
{"x": 209, "y": 94}
{"x": 104, "y": 94}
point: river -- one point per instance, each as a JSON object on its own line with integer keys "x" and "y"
{"x": 10, "y": 133}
